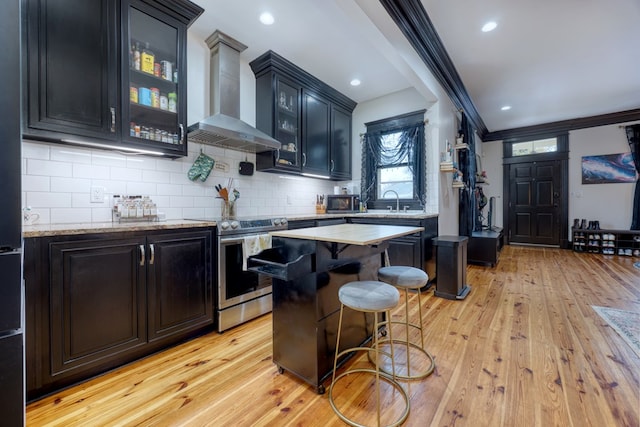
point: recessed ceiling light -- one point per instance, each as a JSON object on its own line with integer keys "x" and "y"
{"x": 355, "y": 82}
{"x": 489, "y": 26}
{"x": 506, "y": 107}
{"x": 266, "y": 18}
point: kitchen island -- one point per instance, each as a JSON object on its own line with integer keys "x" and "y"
{"x": 308, "y": 266}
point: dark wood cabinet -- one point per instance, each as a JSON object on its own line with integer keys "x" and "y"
{"x": 484, "y": 247}
{"x": 340, "y": 167}
{"x": 315, "y": 134}
{"x": 88, "y": 90}
{"x": 415, "y": 250}
{"x": 311, "y": 120}
{"x": 95, "y": 302}
{"x": 72, "y": 80}
{"x": 179, "y": 284}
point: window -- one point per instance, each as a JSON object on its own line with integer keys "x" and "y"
{"x": 393, "y": 162}
{"x": 538, "y": 146}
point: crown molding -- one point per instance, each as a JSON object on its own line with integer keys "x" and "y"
{"x": 414, "y": 22}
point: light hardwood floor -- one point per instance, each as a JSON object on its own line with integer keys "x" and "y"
{"x": 525, "y": 348}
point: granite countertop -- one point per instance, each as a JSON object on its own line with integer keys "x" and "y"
{"x": 44, "y": 230}
{"x": 108, "y": 227}
{"x": 370, "y": 214}
{"x": 352, "y": 234}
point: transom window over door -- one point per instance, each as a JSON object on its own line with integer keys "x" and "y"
{"x": 393, "y": 162}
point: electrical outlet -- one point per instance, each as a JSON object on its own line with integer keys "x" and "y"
{"x": 97, "y": 194}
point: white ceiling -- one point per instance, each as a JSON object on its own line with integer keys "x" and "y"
{"x": 549, "y": 60}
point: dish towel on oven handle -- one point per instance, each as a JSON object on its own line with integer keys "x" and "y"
{"x": 253, "y": 245}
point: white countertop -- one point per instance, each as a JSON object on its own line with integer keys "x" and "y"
{"x": 354, "y": 234}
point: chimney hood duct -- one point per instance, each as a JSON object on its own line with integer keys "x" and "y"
{"x": 224, "y": 128}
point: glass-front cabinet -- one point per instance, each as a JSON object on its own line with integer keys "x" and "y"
{"x": 107, "y": 73}
{"x": 153, "y": 77}
{"x": 311, "y": 120}
{"x": 287, "y": 112}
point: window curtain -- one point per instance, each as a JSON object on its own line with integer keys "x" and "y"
{"x": 379, "y": 155}
{"x": 469, "y": 219}
{"x": 633, "y": 136}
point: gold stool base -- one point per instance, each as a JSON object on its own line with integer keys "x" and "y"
{"x": 409, "y": 376}
{"x": 383, "y": 376}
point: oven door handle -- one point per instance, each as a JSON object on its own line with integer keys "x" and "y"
{"x": 232, "y": 240}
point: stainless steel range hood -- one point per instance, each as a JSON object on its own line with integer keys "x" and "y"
{"x": 224, "y": 128}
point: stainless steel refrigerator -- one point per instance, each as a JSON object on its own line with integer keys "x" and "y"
{"x": 12, "y": 393}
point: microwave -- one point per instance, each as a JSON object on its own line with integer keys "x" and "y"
{"x": 337, "y": 203}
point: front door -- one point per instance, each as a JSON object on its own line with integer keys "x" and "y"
{"x": 534, "y": 202}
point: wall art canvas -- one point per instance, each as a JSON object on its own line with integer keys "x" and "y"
{"x": 608, "y": 168}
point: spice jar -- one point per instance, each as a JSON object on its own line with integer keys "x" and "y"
{"x": 147, "y": 60}
{"x": 155, "y": 97}
{"x": 172, "y": 102}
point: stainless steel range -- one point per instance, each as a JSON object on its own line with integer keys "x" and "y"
{"x": 242, "y": 295}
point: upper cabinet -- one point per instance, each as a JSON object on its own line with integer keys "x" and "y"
{"x": 121, "y": 84}
{"x": 311, "y": 120}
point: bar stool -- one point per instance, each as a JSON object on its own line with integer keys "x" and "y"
{"x": 368, "y": 296}
{"x": 406, "y": 278}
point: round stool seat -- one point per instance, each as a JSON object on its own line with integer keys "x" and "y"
{"x": 368, "y": 295}
{"x": 403, "y": 277}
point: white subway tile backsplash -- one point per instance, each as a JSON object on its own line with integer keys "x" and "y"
{"x": 111, "y": 187}
{"x": 101, "y": 214}
{"x": 125, "y": 174}
{"x": 181, "y": 202}
{"x": 196, "y": 189}
{"x": 90, "y": 171}
{"x": 141, "y": 188}
{"x": 57, "y": 181}
{"x": 70, "y": 215}
{"x": 71, "y": 154}
{"x": 39, "y": 199}
{"x": 181, "y": 178}
{"x": 69, "y": 185}
{"x": 48, "y": 168}
{"x": 169, "y": 190}
{"x": 109, "y": 159}
{"x": 155, "y": 176}
{"x": 139, "y": 162}
{"x": 170, "y": 165}
{"x": 33, "y": 150}
{"x": 35, "y": 183}
{"x": 83, "y": 200}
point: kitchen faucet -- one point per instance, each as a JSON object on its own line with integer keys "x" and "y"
{"x": 397, "y": 199}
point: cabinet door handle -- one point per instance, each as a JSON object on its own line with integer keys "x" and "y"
{"x": 181, "y": 133}
{"x": 277, "y": 155}
{"x": 304, "y": 159}
{"x": 153, "y": 254}
{"x": 142, "y": 255}
{"x": 332, "y": 165}
{"x": 113, "y": 119}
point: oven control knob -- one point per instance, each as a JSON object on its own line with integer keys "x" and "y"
{"x": 224, "y": 225}
{"x": 235, "y": 224}
{"x": 276, "y": 221}
{"x": 283, "y": 221}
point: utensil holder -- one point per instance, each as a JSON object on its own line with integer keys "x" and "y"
{"x": 228, "y": 210}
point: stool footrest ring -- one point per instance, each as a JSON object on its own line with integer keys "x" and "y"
{"x": 386, "y": 377}
{"x": 413, "y": 376}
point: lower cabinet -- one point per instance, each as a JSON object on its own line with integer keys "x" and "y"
{"x": 484, "y": 246}
{"x": 95, "y": 302}
{"x": 415, "y": 250}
